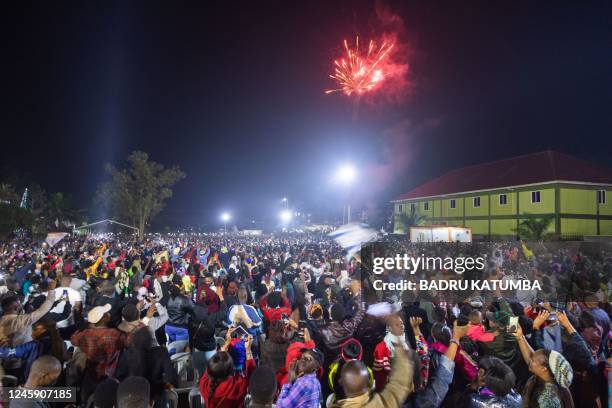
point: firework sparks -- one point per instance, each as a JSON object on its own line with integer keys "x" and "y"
{"x": 360, "y": 71}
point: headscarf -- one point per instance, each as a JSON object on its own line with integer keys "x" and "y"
{"x": 561, "y": 369}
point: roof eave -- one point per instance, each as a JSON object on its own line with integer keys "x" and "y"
{"x": 502, "y": 188}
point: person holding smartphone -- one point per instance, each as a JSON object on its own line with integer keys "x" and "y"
{"x": 222, "y": 386}
{"x": 64, "y": 291}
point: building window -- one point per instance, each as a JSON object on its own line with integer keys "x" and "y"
{"x": 476, "y": 202}
{"x": 412, "y": 207}
{"x": 453, "y": 203}
{"x": 426, "y": 206}
{"x": 503, "y": 199}
{"x": 601, "y": 196}
{"x": 400, "y": 208}
{"x": 535, "y": 197}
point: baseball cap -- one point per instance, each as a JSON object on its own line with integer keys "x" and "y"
{"x": 97, "y": 313}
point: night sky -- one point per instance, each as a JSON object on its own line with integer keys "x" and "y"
{"x": 233, "y": 93}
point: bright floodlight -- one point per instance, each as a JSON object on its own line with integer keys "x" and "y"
{"x": 284, "y": 199}
{"x": 346, "y": 174}
{"x": 225, "y": 217}
{"x": 285, "y": 216}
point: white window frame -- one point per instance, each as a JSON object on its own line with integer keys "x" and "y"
{"x": 413, "y": 207}
{"x": 601, "y": 197}
{"x": 400, "y": 208}
{"x": 426, "y": 206}
{"x": 535, "y": 193}
{"x": 474, "y": 201}
{"x": 452, "y": 204}
{"x": 505, "y": 199}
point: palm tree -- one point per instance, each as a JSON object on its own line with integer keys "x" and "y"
{"x": 410, "y": 220}
{"x": 534, "y": 229}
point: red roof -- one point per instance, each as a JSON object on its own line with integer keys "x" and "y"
{"x": 532, "y": 168}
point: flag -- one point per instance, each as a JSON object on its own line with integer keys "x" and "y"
{"x": 55, "y": 237}
{"x": 526, "y": 251}
{"x": 352, "y": 236}
{"x": 158, "y": 256}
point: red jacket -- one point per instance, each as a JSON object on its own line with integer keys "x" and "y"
{"x": 382, "y": 365}
{"x": 293, "y": 353}
{"x": 272, "y": 315}
{"x": 230, "y": 392}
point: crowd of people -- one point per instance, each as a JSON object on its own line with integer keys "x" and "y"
{"x": 225, "y": 320}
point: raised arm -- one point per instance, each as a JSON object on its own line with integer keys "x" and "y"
{"x": 538, "y": 322}
{"x": 42, "y": 310}
{"x": 458, "y": 332}
{"x": 526, "y": 350}
{"x": 401, "y": 379}
{"x": 577, "y": 339}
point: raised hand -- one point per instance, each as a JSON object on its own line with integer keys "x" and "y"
{"x": 459, "y": 331}
{"x": 220, "y": 292}
{"x": 249, "y": 342}
{"x": 540, "y": 319}
{"x": 151, "y": 311}
{"x": 564, "y": 322}
{"x": 519, "y": 331}
{"x": 415, "y": 323}
{"x": 293, "y": 371}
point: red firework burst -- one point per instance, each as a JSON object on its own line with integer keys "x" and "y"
{"x": 360, "y": 71}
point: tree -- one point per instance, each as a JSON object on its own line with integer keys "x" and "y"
{"x": 13, "y": 217}
{"x": 8, "y": 195}
{"x": 59, "y": 210}
{"x": 410, "y": 220}
{"x": 37, "y": 200}
{"x": 534, "y": 229}
{"x": 138, "y": 193}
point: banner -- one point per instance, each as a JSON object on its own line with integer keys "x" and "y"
{"x": 55, "y": 237}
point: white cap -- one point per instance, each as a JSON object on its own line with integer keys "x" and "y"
{"x": 97, "y": 313}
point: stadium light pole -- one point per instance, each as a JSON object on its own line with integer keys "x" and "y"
{"x": 285, "y": 201}
{"x": 225, "y": 217}
{"x": 346, "y": 175}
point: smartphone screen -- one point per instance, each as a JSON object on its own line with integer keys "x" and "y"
{"x": 513, "y": 324}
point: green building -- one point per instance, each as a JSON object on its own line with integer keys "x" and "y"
{"x": 493, "y": 198}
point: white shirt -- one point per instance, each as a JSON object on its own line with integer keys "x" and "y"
{"x": 74, "y": 296}
{"x": 79, "y": 284}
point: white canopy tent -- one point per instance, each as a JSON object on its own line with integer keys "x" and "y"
{"x": 102, "y": 222}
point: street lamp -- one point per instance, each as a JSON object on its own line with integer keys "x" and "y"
{"x": 225, "y": 217}
{"x": 285, "y": 202}
{"x": 346, "y": 175}
{"x": 285, "y": 216}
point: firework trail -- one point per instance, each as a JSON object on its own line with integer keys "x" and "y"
{"x": 360, "y": 71}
